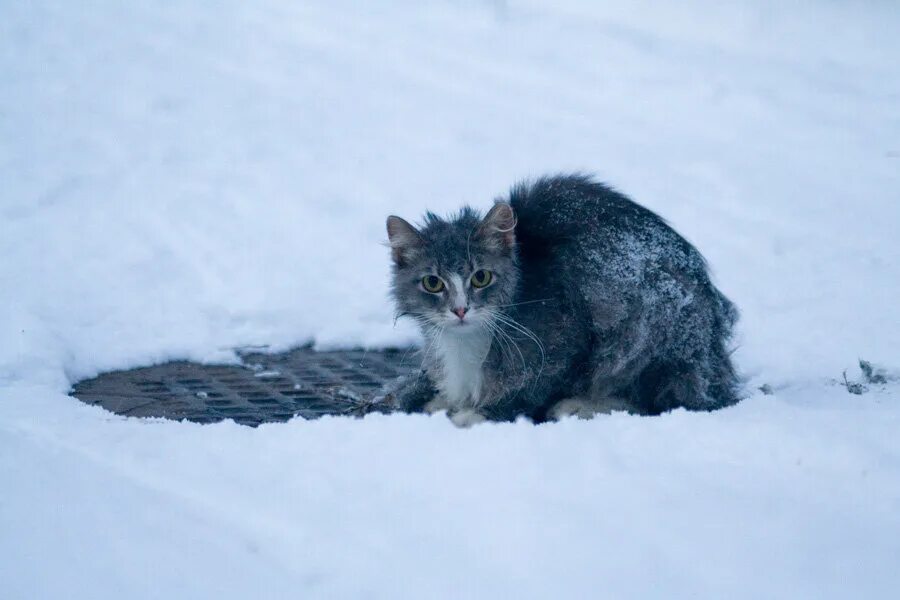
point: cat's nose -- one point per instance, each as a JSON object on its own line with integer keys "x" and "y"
{"x": 460, "y": 312}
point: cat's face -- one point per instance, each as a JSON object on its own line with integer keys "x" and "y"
{"x": 454, "y": 274}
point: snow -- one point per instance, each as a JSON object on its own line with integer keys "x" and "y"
{"x": 179, "y": 180}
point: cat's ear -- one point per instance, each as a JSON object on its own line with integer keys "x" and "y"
{"x": 404, "y": 240}
{"x": 497, "y": 229}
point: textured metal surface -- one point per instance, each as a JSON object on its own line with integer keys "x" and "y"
{"x": 265, "y": 388}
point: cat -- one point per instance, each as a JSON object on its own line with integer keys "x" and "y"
{"x": 567, "y": 298}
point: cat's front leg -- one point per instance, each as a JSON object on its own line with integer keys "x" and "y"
{"x": 412, "y": 393}
{"x": 508, "y": 407}
{"x": 466, "y": 417}
{"x": 417, "y": 394}
{"x": 437, "y": 404}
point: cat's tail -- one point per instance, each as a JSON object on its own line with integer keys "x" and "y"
{"x": 538, "y": 203}
{"x": 559, "y": 207}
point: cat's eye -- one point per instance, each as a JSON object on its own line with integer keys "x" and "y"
{"x": 432, "y": 284}
{"x": 481, "y": 278}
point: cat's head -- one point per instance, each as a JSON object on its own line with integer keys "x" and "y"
{"x": 454, "y": 273}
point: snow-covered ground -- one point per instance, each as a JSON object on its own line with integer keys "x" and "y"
{"x": 177, "y": 179}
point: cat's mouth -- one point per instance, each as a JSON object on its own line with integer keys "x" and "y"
{"x": 464, "y": 323}
{"x": 452, "y": 322}
{"x": 456, "y": 322}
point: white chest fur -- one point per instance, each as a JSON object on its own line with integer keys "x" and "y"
{"x": 461, "y": 376}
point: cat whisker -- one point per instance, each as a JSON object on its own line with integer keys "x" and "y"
{"x": 434, "y": 333}
{"x": 512, "y": 323}
{"x": 425, "y": 334}
{"x": 505, "y": 342}
{"x": 504, "y": 318}
{"x": 521, "y": 303}
{"x": 408, "y": 350}
{"x": 398, "y": 315}
{"x": 511, "y": 344}
{"x": 504, "y": 346}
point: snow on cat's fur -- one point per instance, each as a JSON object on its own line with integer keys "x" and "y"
{"x": 566, "y": 299}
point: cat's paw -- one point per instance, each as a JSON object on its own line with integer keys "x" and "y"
{"x": 466, "y": 418}
{"x": 574, "y": 407}
{"x": 436, "y": 405}
{"x": 587, "y": 408}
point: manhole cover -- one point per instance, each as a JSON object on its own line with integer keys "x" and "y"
{"x": 265, "y": 388}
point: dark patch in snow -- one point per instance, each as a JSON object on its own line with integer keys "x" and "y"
{"x": 265, "y": 388}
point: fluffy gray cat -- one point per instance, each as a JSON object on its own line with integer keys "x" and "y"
{"x": 567, "y": 298}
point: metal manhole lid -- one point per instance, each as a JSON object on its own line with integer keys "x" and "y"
{"x": 264, "y": 388}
